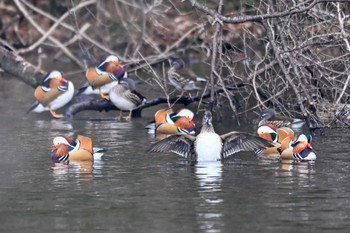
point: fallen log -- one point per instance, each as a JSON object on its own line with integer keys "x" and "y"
{"x": 84, "y": 103}
{"x": 16, "y": 65}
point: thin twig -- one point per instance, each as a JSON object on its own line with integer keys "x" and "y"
{"x": 42, "y": 31}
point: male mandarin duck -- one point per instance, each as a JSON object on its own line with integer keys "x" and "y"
{"x": 208, "y": 145}
{"x": 270, "y": 116}
{"x": 81, "y": 149}
{"x": 54, "y": 93}
{"x": 169, "y": 122}
{"x": 183, "y": 79}
{"x": 124, "y": 97}
{"x": 102, "y": 78}
{"x": 281, "y": 138}
{"x": 300, "y": 150}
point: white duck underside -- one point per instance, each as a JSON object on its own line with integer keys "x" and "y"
{"x": 208, "y": 147}
{"x": 40, "y": 108}
{"x": 59, "y": 102}
{"x": 98, "y": 155}
{"x": 104, "y": 89}
{"x": 120, "y": 102}
{"x": 310, "y": 157}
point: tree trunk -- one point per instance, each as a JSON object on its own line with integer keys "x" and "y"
{"x": 20, "y": 68}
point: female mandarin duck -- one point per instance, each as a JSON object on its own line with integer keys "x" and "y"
{"x": 270, "y": 116}
{"x": 124, "y": 97}
{"x": 103, "y": 77}
{"x": 208, "y": 145}
{"x": 300, "y": 150}
{"x": 169, "y": 122}
{"x": 81, "y": 149}
{"x": 54, "y": 93}
{"x": 183, "y": 79}
{"x": 281, "y": 138}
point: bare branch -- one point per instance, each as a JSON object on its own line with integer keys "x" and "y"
{"x": 258, "y": 18}
{"x": 42, "y": 31}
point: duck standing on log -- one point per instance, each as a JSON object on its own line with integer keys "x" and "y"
{"x": 125, "y": 97}
{"x": 102, "y": 78}
{"x": 54, "y": 93}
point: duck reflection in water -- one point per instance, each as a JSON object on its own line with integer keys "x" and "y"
{"x": 207, "y": 150}
{"x": 209, "y": 177}
{"x": 57, "y": 124}
{"x": 84, "y": 170}
{"x": 294, "y": 167}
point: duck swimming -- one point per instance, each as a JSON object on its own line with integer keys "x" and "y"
{"x": 81, "y": 149}
{"x": 208, "y": 145}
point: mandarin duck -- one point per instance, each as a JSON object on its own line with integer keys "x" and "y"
{"x": 281, "y": 138}
{"x": 81, "y": 149}
{"x": 208, "y": 145}
{"x": 124, "y": 97}
{"x": 300, "y": 150}
{"x": 270, "y": 116}
{"x": 169, "y": 122}
{"x": 102, "y": 78}
{"x": 54, "y": 93}
{"x": 181, "y": 78}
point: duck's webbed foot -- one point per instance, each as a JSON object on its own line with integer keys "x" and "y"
{"x": 56, "y": 115}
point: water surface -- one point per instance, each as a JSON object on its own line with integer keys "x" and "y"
{"x": 131, "y": 190}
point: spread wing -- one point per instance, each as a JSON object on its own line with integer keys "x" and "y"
{"x": 234, "y": 142}
{"x": 179, "y": 144}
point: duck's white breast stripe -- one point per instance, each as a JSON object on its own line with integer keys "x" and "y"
{"x": 64, "y": 158}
